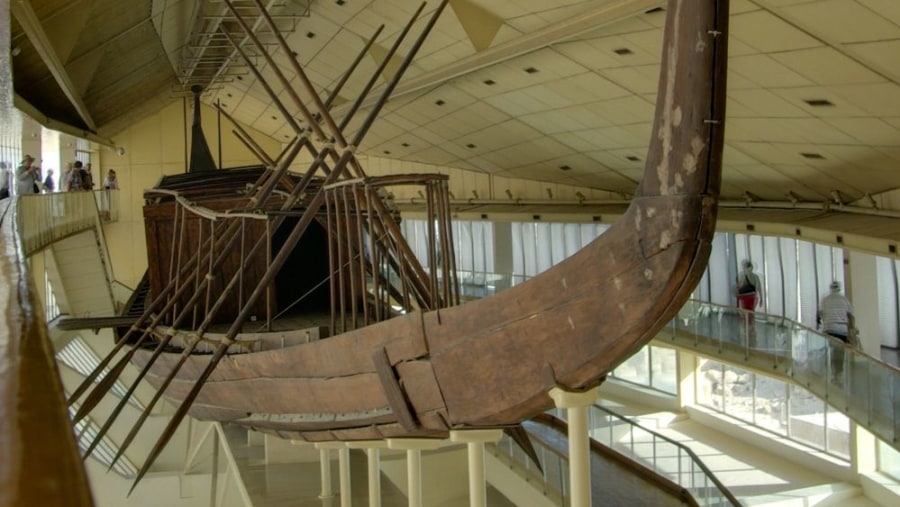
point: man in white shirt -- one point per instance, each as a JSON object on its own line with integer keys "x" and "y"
{"x": 836, "y": 313}
{"x": 836, "y": 317}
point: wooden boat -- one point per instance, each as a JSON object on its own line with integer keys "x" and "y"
{"x": 400, "y": 357}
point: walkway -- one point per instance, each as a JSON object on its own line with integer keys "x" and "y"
{"x": 862, "y": 387}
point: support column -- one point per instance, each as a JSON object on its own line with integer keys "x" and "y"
{"x": 414, "y": 448}
{"x": 475, "y": 440}
{"x": 325, "y": 466}
{"x": 862, "y": 288}
{"x": 687, "y": 378}
{"x": 373, "y": 457}
{"x": 344, "y": 467}
{"x": 576, "y": 405}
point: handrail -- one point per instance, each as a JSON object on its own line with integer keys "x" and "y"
{"x": 52, "y": 217}
{"x": 725, "y": 492}
{"x": 771, "y": 317}
{"x": 860, "y": 386}
{"x": 40, "y": 463}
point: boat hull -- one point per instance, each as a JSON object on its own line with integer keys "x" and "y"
{"x": 491, "y": 362}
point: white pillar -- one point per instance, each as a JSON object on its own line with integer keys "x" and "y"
{"x": 414, "y": 448}
{"x": 576, "y": 405}
{"x": 862, "y": 290}
{"x": 373, "y": 455}
{"x": 687, "y": 369}
{"x": 325, "y": 465}
{"x": 475, "y": 440}
{"x": 344, "y": 467}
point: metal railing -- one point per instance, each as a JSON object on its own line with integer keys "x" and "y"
{"x": 862, "y": 387}
{"x": 45, "y": 218}
{"x": 659, "y": 454}
{"x": 552, "y": 478}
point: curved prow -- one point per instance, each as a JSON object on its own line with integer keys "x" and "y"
{"x": 612, "y": 297}
{"x": 201, "y": 157}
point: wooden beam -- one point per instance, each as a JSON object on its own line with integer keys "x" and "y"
{"x": 34, "y": 29}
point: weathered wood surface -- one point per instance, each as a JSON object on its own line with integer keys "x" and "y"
{"x": 39, "y": 460}
{"x": 492, "y": 361}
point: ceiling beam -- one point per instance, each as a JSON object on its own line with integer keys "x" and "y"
{"x": 37, "y": 115}
{"x": 35, "y": 31}
{"x": 554, "y": 33}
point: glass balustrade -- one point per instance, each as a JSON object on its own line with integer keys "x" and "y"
{"x": 552, "y": 477}
{"x": 46, "y": 218}
{"x": 861, "y": 386}
{"x": 660, "y": 454}
{"x": 657, "y": 453}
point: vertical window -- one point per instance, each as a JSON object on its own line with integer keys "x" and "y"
{"x": 50, "y": 305}
{"x": 788, "y": 255}
{"x": 886, "y": 282}
{"x": 653, "y": 367}
{"x": 767, "y": 403}
{"x": 889, "y": 460}
{"x": 770, "y": 404}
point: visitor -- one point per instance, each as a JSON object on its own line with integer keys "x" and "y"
{"x": 749, "y": 296}
{"x": 49, "y": 185}
{"x": 836, "y": 319}
{"x": 27, "y": 176}
{"x": 4, "y": 181}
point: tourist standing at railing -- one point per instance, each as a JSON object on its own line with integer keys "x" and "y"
{"x": 27, "y": 176}
{"x": 49, "y": 184}
{"x": 109, "y": 183}
{"x": 749, "y": 295}
{"x": 64, "y": 178}
{"x": 4, "y": 181}
{"x": 87, "y": 182}
{"x": 75, "y": 179}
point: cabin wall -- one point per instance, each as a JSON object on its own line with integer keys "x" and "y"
{"x": 154, "y": 147}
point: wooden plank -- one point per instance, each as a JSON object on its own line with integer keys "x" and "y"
{"x": 393, "y": 391}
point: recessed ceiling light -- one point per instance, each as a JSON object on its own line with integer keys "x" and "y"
{"x": 240, "y": 78}
{"x": 470, "y": 145}
{"x": 655, "y": 9}
{"x": 274, "y": 117}
{"x": 812, "y": 155}
{"x": 489, "y": 82}
{"x": 387, "y": 152}
{"x": 818, "y": 102}
{"x": 623, "y": 51}
{"x": 340, "y": 2}
{"x": 531, "y": 70}
{"x": 405, "y": 145}
{"x": 564, "y": 167}
{"x": 310, "y": 35}
{"x": 228, "y": 94}
{"x": 633, "y": 158}
{"x": 440, "y": 102}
